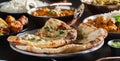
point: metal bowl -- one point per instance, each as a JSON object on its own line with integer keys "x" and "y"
{"x": 5, "y": 14}
{"x": 40, "y": 20}
{"x": 114, "y": 49}
{"x": 97, "y": 9}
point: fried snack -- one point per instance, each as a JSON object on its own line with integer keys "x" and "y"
{"x": 10, "y": 19}
{"x": 23, "y": 20}
{"x": 15, "y": 26}
{"x": 103, "y": 22}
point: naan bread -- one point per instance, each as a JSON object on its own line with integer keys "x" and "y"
{"x": 87, "y": 38}
{"x": 88, "y": 33}
{"x": 54, "y": 33}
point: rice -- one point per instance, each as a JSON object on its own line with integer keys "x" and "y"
{"x": 19, "y": 6}
{"x": 111, "y": 14}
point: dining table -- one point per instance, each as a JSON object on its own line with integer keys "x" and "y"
{"x": 8, "y": 54}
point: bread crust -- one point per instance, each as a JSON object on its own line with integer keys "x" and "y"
{"x": 68, "y": 35}
{"x": 76, "y": 46}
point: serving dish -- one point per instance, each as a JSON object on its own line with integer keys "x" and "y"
{"x": 53, "y": 55}
{"x": 54, "y": 39}
{"x": 12, "y": 26}
{"x": 101, "y": 6}
{"x": 4, "y": 14}
{"x": 70, "y": 19}
{"x": 114, "y": 44}
{"x": 18, "y": 8}
{"x": 107, "y": 21}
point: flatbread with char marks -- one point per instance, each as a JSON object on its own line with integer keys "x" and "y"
{"x": 88, "y": 36}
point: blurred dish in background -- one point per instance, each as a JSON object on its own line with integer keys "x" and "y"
{"x": 68, "y": 14}
{"x": 40, "y": 20}
{"x": 102, "y": 2}
{"x": 52, "y": 12}
{"x": 20, "y": 6}
{"x": 101, "y": 6}
{"x": 109, "y": 21}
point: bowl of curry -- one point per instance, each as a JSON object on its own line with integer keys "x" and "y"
{"x": 40, "y": 15}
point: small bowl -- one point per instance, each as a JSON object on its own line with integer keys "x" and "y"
{"x": 40, "y": 20}
{"x": 97, "y": 9}
{"x": 115, "y": 50}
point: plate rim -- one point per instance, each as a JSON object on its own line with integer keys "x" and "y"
{"x": 57, "y": 55}
{"x": 54, "y": 55}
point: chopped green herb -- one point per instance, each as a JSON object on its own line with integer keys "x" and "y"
{"x": 117, "y": 17}
{"x": 32, "y": 39}
{"x": 116, "y": 44}
{"x": 1, "y": 34}
{"x": 52, "y": 11}
{"x": 61, "y": 32}
{"x": 80, "y": 36}
{"x": 47, "y": 28}
{"x": 39, "y": 39}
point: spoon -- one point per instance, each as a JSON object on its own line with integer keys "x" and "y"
{"x": 63, "y": 4}
{"x": 77, "y": 14}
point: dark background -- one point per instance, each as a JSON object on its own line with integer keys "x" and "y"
{"x": 6, "y": 53}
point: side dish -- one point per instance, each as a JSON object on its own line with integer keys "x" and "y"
{"x": 103, "y": 2}
{"x": 12, "y": 25}
{"x": 52, "y": 12}
{"x": 115, "y": 44}
{"x": 20, "y": 6}
{"x": 109, "y": 21}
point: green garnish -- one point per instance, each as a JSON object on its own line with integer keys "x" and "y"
{"x": 117, "y": 17}
{"x": 1, "y": 34}
{"x": 47, "y": 28}
{"x": 80, "y": 36}
{"x": 54, "y": 11}
{"x": 61, "y": 32}
{"x": 39, "y": 39}
{"x": 32, "y": 39}
{"x": 115, "y": 44}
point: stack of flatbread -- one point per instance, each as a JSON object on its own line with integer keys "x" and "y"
{"x": 57, "y": 37}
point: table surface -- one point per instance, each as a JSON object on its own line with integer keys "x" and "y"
{"x": 6, "y": 53}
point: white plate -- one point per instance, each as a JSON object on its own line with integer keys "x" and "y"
{"x": 95, "y": 16}
{"x": 90, "y": 17}
{"x": 53, "y": 55}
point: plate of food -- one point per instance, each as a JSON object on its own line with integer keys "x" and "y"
{"x": 66, "y": 13}
{"x": 57, "y": 39}
{"x": 12, "y": 26}
{"x": 101, "y": 6}
{"x": 109, "y": 21}
{"x": 18, "y": 8}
